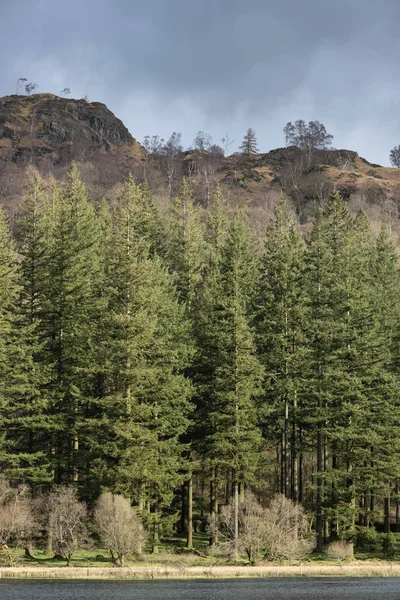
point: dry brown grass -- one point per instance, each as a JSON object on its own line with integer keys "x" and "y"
{"x": 217, "y": 572}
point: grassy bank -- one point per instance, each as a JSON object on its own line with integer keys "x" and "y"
{"x": 214, "y": 572}
{"x": 177, "y": 562}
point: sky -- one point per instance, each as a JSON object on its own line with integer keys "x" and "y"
{"x": 219, "y": 66}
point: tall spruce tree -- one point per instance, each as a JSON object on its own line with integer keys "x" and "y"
{"x": 21, "y": 404}
{"x": 234, "y": 439}
{"x": 327, "y": 269}
{"x": 280, "y": 324}
{"x": 348, "y": 382}
{"x": 207, "y": 307}
{"x": 71, "y": 310}
{"x": 185, "y": 254}
{"x": 147, "y": 396}
{"x": 185, "y": 251}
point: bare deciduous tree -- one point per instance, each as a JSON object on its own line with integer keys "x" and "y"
{"x": 313, "y": 135}
{"x": 153, "y": 144}
{"x": 307, "y": 137}
{"x": 66, "y": 521}
{"x": 65, "y": 92}
{"x": 29, "y": 87}
{"x": 20, "y": 81}
{"x": 216, "y": 150}
{"x": 202, "y": 141}
{"x": 119, "y": 527}
{"x": 170, "y": 152}
{"x": 226, "y": 143}
{"x": 286, "y": 531}
{"x": 17, "y": 522}
{"x": 395, "y": 157}
{"x": 279, "y": 531}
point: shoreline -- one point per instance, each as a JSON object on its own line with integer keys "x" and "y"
{"x": 216, "y": 572}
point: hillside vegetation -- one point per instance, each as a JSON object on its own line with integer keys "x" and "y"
{"x": 49, "y": 132}
{"x": 219, "y": 351}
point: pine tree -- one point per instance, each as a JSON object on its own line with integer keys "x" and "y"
{"x": 71, "y": 310}
{"x": 21, "y": 404}
{"x": 280, "y": 324}
{"x": 327, "y": 267}
{"x": 349, "y": 383}
{"x": 383, "y": 379}
{"x": 234, "y": 439}
{"x": 147, "y": 397}
{"x": 249, "y": 144}
{"x": 185, "y": 254}
{"x": 185, "y": 251}
{"x": 206, "y": 316}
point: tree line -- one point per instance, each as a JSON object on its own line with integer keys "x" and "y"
{"x": 162, "y": 358}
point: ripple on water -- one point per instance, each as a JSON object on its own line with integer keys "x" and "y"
{"x": 224, "y": 589}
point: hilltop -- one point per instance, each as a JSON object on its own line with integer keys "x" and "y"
{"x": 49, "y": 132}
{"x": 45, "y": 125}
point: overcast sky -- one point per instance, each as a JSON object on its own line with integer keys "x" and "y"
{"x": 219, "y": 66}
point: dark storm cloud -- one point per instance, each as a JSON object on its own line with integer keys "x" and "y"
{"x": 221, "y": 65}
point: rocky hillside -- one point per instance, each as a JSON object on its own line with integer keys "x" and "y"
{"x": 48, "y": 132}
{"x": 44, "y": 125}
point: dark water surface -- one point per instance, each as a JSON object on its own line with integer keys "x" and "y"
{"x": 227, "y": 589}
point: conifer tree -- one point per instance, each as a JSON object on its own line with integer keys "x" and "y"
{"x": 21, "y": 454}
{"x": 280, "y": 324}
{"x": 383, "y": 376}
{"x": 234, "y": 439}
{"x": 349, "y": 382}
{"x": 327, "y": 266}
{"x": 249, "y": 144}
{"x": 185, "y": 259}
{"x": 185, "y": 252}
{"x": 147, "y": 395}
{"x": 206, "y": 315}
{"x": 71, "y": 311}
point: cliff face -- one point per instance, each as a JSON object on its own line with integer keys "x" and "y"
{"x": 44, "y": 125}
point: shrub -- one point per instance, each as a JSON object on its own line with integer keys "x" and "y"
{"x": 119, "y": 527}
{"x": 287, "y": 534}
{"x": 280, "y": 531}
{"x": 67, "y": 524}
{"x": 17, "y": 522}
{"x": 340, "y": 549}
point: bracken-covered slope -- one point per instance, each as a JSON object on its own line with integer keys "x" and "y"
{"x": 49, "y": 132}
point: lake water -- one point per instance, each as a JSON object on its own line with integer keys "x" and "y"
{"x": 227, "y": 589}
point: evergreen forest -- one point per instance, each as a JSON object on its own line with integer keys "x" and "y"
{"x": 170, "y": 357}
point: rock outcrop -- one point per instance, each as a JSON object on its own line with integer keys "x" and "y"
{"x": 44, "y": 125}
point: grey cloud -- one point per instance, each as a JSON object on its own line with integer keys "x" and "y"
{"x": 220, "y": 65}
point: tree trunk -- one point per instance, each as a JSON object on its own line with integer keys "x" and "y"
{"x": 29, "y": 550}
{"x": 286, "y": 449}
{"x": 75, "y": 474}
{"x": 183, "y": 525}
{"x": 241, "y": 492}
{"x": 189, "y": 537}
{"x": 318, "y": 518}
{"x": 282, "y": 459}
{"x": 236, "y": 518}
{"x": 386, "y": 508}
{"x": 295, "y": 460}
{"x": 49, "y": 538}
{"x": 326, "y": 521}
{"x": 156, "y": 529}
{"x": 300, "y": 494}
{"x": 214, "y": 510}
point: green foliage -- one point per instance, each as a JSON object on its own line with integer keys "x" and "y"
{"x": 136, "y": 354}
